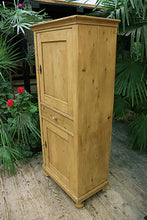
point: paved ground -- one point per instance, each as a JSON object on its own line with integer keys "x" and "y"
{"x": 31, "y": 196}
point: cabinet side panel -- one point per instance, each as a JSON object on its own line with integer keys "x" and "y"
{"x": 74, "y": 85}
{"x": 97, "y": 49}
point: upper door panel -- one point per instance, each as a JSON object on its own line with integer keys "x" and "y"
{"x": 54, "y": 65}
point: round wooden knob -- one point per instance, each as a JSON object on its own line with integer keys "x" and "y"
{"x": 54, "y": 118}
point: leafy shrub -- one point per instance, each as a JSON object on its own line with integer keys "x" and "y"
{"x": 17, "y": 19}
{"x": 19, "y": 118}
{"x": 19, "y": 126}
{"x": 14, "y": 24}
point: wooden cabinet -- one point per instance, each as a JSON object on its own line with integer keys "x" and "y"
{"x": 75, "y": 61}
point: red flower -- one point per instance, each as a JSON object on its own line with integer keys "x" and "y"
{"x": 10, "y": 103}
{"x": 20, "y": 90}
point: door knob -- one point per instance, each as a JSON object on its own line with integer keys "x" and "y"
{"x": 54, "y": 118}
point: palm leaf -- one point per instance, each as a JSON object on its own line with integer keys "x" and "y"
{"x": 5, "y": 137}
{"x": 8, "y": 154}
{"x": 9, "y": 157}
{"x": 123, "y": 17}
{"x": 18, "y": 20}
{"x": 126, "y": 12}
{"x": 121, "y": 107}
{"x": 21, "y": 127}
{"x": 8, "y": 55}
{"x": 132, "y": 3}
{"x": 129, "y": 80}
{"x": 138, "y": 133}
{"x": 145, "y": 37}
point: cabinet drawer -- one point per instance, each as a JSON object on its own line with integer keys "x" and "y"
{"x": 57, "y": 119}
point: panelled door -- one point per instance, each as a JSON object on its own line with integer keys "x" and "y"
{"x": 55, "y": 68}
{"x": 57, "y": 152}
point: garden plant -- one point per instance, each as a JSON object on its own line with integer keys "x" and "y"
{"x": 19, "y": 121}
{"x": 14, "y": 25}
{"x": 19, "y": 126}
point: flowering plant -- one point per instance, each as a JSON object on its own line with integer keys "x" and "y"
{"x": 19, "y": 126}
{"x": 20, "y": 90}
{"x": 10, "y": 103}
{"x": 21, "y": 103}
{"x": 20, "y": 5}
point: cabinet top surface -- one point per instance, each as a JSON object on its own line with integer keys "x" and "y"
{"x": 75, "y": 19}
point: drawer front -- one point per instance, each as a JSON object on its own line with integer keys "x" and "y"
{"x": 58, "y": 119}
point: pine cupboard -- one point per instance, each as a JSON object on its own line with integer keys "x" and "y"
{"x": 75, "y": 62}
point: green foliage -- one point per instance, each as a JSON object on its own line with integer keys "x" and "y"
{"x": 138, "y": 132}
{"x": 133, "y": 16}
{"x": 8, "y": 154}
{"x": 19, "y": 123}
{"x": 22, "y": 125}
{"x": 121, "y": 9}
{"x": 16, "y": 19}
{"x": 9, "y": 157}
{"x": 19, "y": 127}
{"x": 14, "y": 25}
{"x": 8, "y": 54}
{"x": 130, "y": 81}
{"x": 24, "y": 118}
{"x": 121, "y": 107}
{"x": 5, "y": 94}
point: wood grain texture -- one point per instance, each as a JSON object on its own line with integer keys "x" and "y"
{"x": 31, "y": 195}
{"x": 55, "y": 80}
{"x": 56, "y": 118}
{"x": 76, "y": 69}
{"x": 95, "y": 103}
{"x": 75, "y": 20}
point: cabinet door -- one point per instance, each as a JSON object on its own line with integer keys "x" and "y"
{"x": 57, "y": 148}
{"x": 55, "y": 68}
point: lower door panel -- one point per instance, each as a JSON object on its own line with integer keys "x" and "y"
{"x": 57, "y": 150}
